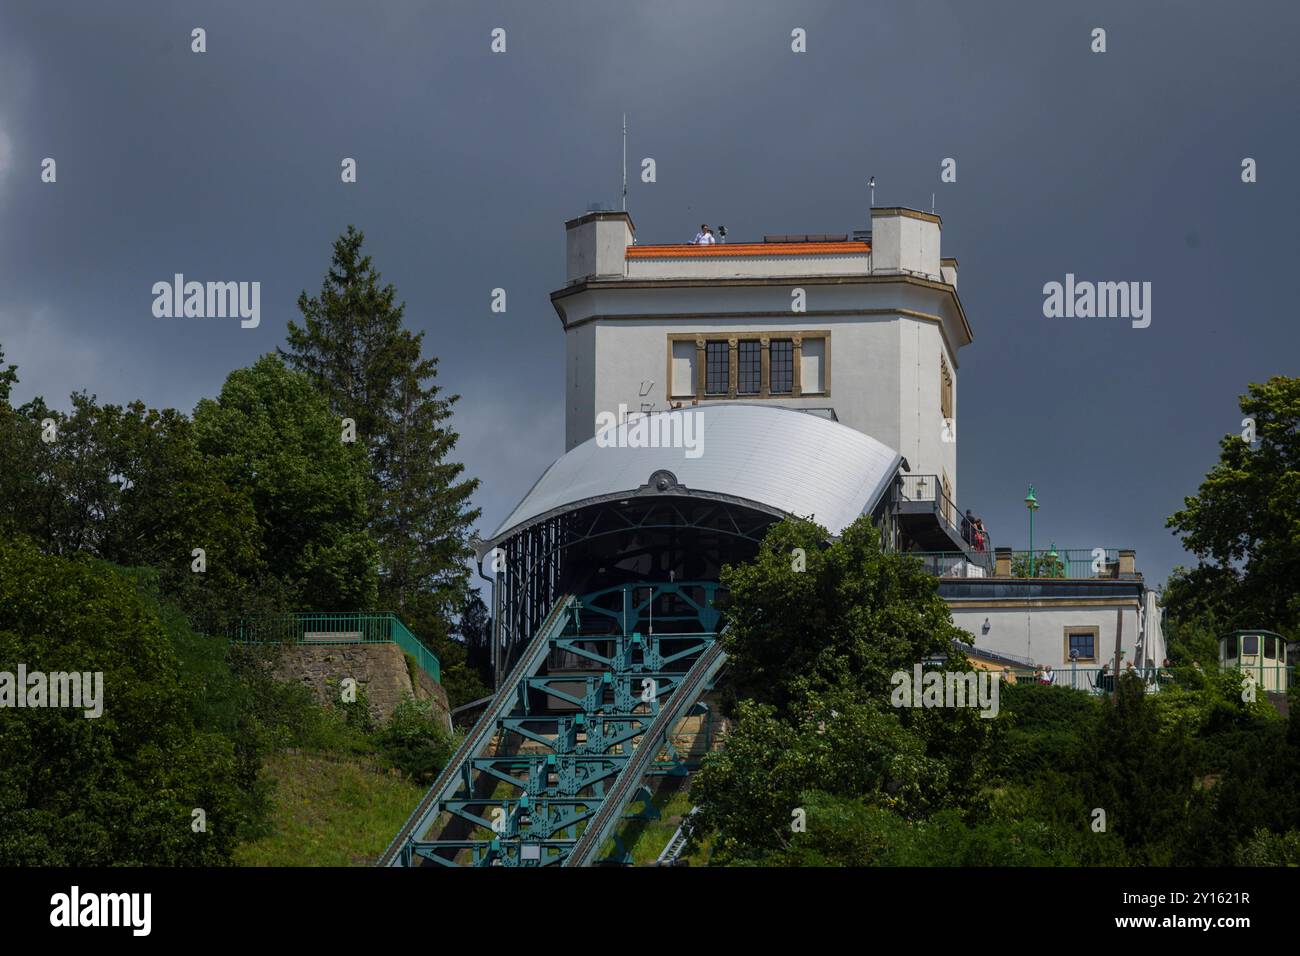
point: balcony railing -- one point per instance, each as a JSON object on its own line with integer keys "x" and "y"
{"x": 929, "y": 489}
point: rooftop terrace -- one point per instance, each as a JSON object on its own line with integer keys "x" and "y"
{"x": 900, "y": 242}
{"x": 1066, "y": 564}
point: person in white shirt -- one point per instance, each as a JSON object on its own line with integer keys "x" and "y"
{"x": 704, "y": 237}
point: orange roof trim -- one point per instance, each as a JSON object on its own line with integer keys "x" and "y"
{"x": 719, "y": 250}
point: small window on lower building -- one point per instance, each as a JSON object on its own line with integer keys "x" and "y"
{"x": 782, "y": 366}
{"x": 1250, "y": 645}
{"x": 1081, "y": 644}
{"x": 1231, "y": 647}
{"x": 1270, "y": 648}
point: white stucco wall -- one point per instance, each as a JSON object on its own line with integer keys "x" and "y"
{"x": 904, "y": 244}
{"x": 580, "y": 385}
{"x": 596, "y": 245}
{"x": 920, "y": 425}
{"x": 884, "y": 368}
{"x": 1038, "y": 632}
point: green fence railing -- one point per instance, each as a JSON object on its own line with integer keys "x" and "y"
{"x": 1093, "y": 680}
{"x": 1097, "y": 680}
{"x": 412, "y": 645}
{"x": 320, "y": 627}
{"x": 1274, "y": 677}
{"x": 1066, "y": 563}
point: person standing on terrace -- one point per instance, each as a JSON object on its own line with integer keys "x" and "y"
{"x": 704, "y": 237}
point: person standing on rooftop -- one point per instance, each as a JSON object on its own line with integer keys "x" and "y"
{"x": 704, "y": 237}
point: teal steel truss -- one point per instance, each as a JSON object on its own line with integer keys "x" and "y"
{"x": 581, "y": 719}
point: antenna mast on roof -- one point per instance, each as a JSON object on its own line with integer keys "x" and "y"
{"x": 625, "y": 162}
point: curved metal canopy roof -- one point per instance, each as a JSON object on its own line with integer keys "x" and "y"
{"x": 774, "y": 459}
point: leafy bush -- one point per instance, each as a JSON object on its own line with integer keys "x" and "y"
{"x": 1270, "y": 849}
{"x": 118, "y": 789}
{"x": 414, "y": 741}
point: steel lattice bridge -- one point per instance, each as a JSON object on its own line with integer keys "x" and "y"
{"x": 585, "y": 714}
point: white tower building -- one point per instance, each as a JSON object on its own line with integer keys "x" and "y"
{"x": 865, "y": 331}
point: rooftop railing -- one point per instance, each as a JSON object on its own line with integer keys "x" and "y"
{"x": 1066, "y": 563}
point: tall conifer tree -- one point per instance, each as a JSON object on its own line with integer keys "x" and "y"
{"x": 355, "y": 349}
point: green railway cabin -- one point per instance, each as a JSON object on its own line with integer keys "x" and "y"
{"x": 1268, "y": 655}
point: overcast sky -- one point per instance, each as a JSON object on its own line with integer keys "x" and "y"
{"x": 1115, "y": 166}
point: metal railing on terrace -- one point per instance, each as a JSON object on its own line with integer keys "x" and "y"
{"x": 1067, "y": 564}
{"x": 320, "y": 627}
{"x": 1274, "y": 677}
{"x": 1092, "y": 680}
{"x": 1101, "y": 680}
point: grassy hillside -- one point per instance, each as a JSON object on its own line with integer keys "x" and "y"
{"x": 645, "y": 839}
{"x": 329, "y": 811}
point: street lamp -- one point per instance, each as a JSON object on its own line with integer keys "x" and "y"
{"x": 1031, "y": 502}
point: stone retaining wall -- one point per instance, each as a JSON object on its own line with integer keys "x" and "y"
{"x": 379, "y": 669}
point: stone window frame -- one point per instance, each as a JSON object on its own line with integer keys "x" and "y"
{"x": 733, "y": 340}
{"x": 945, "y": 390}
{"x": 1090, "y": 629}
{"x": 948, "y": 506}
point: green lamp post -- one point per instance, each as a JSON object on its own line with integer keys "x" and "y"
{"x": 1031, "y": 502}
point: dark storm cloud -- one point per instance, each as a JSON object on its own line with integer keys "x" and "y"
{"x": 1118, "y": 166}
